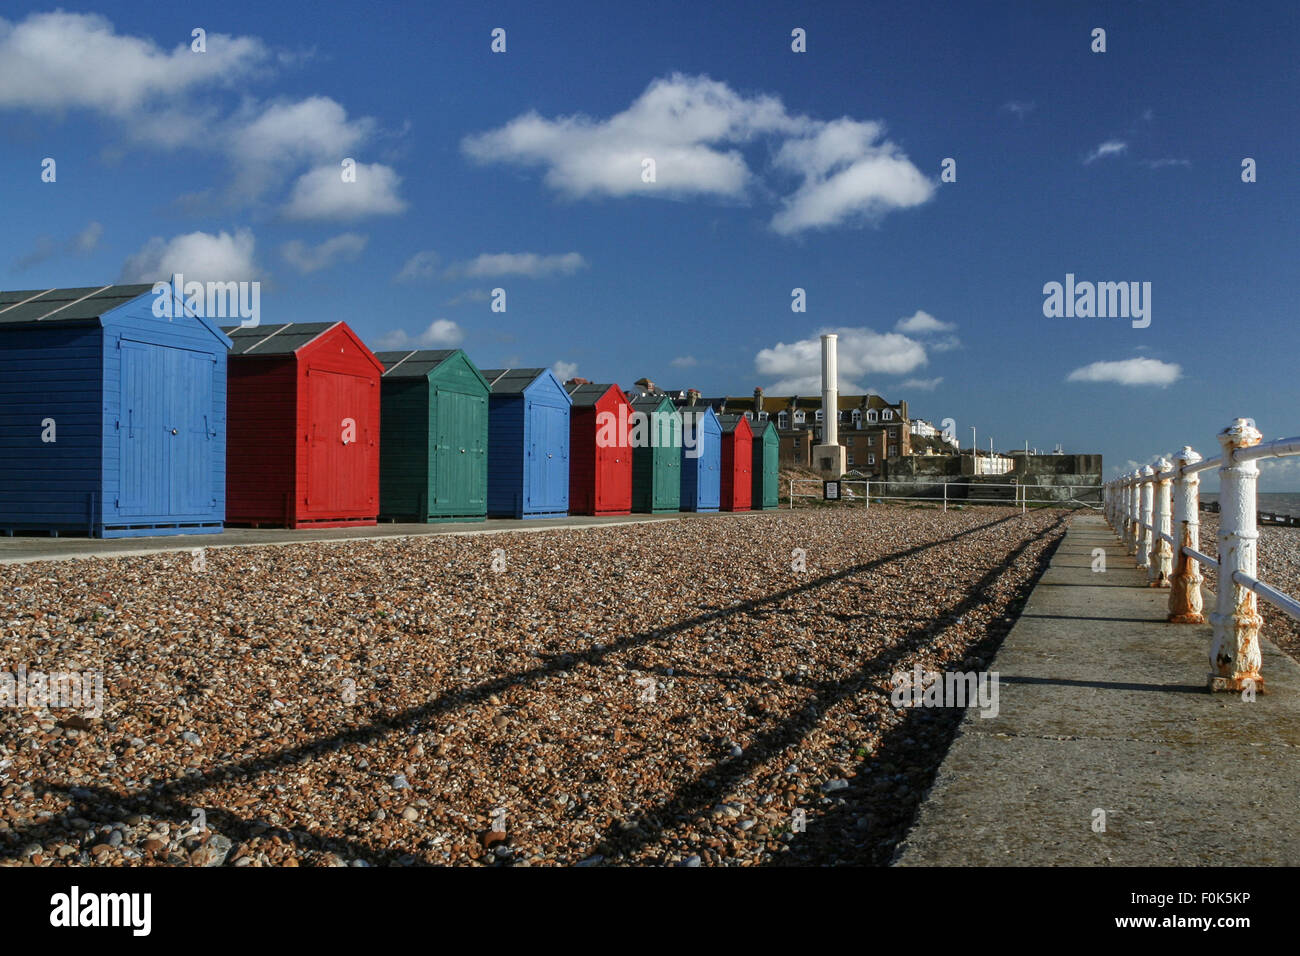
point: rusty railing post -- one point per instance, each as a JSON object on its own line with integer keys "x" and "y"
{"x": 1144, "y": 516}
{"x": 1234, "y": 650}
{"x": 1185, "y": 589}
{"x": 1161, "y": 552}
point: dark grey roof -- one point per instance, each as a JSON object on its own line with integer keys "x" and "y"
{"x": 66, "y": 305}
{"x": 729, "y": 422}
{"x": 584, "y": 396}
{"x": 511, "y": 381}
{"x": 648, "y": 403}
{"x": 760, "y": 427}
{"x": 417, "y": 363}
{"x": 282, "y": 339}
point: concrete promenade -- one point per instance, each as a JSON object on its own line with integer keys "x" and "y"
{"x": 22, "y": 549}
{"x": 1103, "y": 705}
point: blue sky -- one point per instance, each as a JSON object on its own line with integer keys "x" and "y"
{"x": 775, "y": 170}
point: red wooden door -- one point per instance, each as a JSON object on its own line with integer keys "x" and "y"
{"x": 338, "y": 444}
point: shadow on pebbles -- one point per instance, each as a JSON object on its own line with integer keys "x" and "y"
{"x": 711, "y": 692}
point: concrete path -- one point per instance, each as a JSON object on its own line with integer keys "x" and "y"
{"x": 1103, "y": 705}
{"x": 25, "y": 549}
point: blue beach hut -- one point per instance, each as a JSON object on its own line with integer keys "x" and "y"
{"x": 528, "y": 443}
{"x": 701, "y": 459}
{"x": 112, "y": 420}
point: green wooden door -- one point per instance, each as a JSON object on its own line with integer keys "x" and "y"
{"x": 458, "y": 466}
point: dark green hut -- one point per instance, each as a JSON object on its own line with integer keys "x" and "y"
{"x": 656, "y": 454}
{"x": 767, "y": 469}
{"x": 433, "y": 437}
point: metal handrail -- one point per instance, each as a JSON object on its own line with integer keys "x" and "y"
{"x": 1166, "y": 542}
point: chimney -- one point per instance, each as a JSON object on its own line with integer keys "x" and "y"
{"x": 578, "y": 381}
{"x": 902, "y": 410}
{"x": 830, "y": 390}
{"x": 758, "y": 401}
{"x": 645, "y": 385}
{"x": 692, "y": 395}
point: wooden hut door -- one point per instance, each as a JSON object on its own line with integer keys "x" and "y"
{"x": 339, "y": 439}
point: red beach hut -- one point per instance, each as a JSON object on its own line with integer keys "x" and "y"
{"x": 303, "y": 432}
{"x": 600, "y": 458}
{"x": 737, "y": 463}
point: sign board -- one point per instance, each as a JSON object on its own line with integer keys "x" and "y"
{"x": 830, "y": 491}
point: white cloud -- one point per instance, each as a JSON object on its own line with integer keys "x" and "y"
{"x": 1112, "y": 147}
{"x": 321, "y": 194}
{"x": 46, "y": 247}
{"x": 469, "y": 295}
{"x": 849, "y": 172}
{"x": 1162, "y": 163}
{"x": 565, "y": 370}
{"x": 422, "y": 265}
{"x": 1019, "y": 107}
{"x": 88, "y": 239}
{"x": 201, "y": 256}
{"x": 918, "y": 384}
{"x": 797, "y": 366}
{"x": 307, "y": 258}
{"x": 441, "y": 333}
{"x": 920, "y": 323}
{"x": 527, "y": 264}
{"x": 693, "y": 128}
{"x": 59, "y": 60}
{"x": 1134, "y": 371}
{"x": 684, "y": 361}
{"x": 156, "y": 98}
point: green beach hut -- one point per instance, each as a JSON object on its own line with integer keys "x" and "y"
{"x": 767, "y": 469}
{"x": 433, "y": 428}
{"x": 656, "y": 455}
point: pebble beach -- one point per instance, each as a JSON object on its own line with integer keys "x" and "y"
{"x": 678, "y": 695}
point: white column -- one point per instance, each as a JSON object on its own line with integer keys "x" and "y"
{"x": 1185, "y": 587}
{"x": 1161, "y": 566}
{"x": 1234, "y": 651}
{"x": 1144, "y": 516}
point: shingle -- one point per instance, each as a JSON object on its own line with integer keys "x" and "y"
{"x": 416, "y": 363}
{"x": 511, "y": 381}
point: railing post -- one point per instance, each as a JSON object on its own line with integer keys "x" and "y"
{"x": 1144, "y": 516}
{"x": 1161, "y": 552}
{"x": 1234, "y": 651}
{"x": 1185, "y": 588}
{"x": 945, "y": 497}
{"x": 1134, "y": 499}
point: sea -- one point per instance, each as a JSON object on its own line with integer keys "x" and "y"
{"x": 1273, "y": 502}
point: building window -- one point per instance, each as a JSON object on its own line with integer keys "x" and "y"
{"x": 850, "y": 459}
{"x": 871, "y": 415}
{"x": 818, "y": 415}
{"x": 749, "y": 416}
{"x": 887, "y": 415}
{"x": 798, "y": 418}
{"x": 762, "y": 416}
{"x": 782, "y": 420}
{"x": 871, "y": 459}
{"x": 857, "y": 418}
{"x": 796, "y": 444}
{"x": 893, "y": 451}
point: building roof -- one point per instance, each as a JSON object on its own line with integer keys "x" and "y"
{"x": 511, "y": 381}
{"x": 284, "y": 338}
{"x": 66, "y": 305}
{"x": 416, "y": 363}
{"x": 649, "y": 402}
{"x": 585, "y": 396}
{"x": 731, "y": 422}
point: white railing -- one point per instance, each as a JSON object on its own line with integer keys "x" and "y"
{"x": 962, "y": 495}
{"x": 1156, "y": 513}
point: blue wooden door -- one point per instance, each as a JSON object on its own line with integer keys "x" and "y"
{"x": 165, "y": 432}
{"x": 191, "y": 434}
{"x": 142, "y": 452}
{"x": 557, "y": 460}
